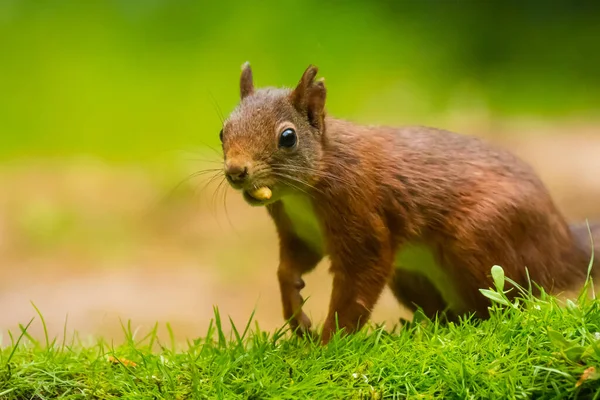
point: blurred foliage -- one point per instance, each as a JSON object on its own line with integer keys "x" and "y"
{"x": 134, "y": 79}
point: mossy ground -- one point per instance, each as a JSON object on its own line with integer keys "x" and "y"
{"x": 534, "y": 348}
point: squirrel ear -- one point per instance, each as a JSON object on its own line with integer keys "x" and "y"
{"x": 309, "y": 97}
{"x": 246, "y": 83}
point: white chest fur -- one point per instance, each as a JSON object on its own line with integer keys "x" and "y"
{"x": 301, "y": 213}
{"x": 420, "y": 259}
{"x": 415, "y": 258}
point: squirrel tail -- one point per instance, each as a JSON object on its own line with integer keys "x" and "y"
{"x": 581, "y": 233}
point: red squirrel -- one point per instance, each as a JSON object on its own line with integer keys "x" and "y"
{"x": 365, "y": 196}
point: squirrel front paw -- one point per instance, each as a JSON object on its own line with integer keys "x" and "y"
{"x": 301, "y": 325}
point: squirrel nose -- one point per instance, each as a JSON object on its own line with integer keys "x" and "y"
{"x": 236, "y": 172}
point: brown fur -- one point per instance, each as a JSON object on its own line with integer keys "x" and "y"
{"x": 375, "y": 189}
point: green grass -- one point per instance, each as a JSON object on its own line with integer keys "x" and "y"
{"x": 529, "y": 348}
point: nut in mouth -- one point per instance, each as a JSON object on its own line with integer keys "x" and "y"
{"x": 258, "y": 196}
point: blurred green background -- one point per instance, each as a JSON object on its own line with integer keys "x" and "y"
{"x": 105, "y": 105}
{"x": 132, "y": 79}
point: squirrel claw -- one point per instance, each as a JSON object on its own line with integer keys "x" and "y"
{"x": 301, "y": 326}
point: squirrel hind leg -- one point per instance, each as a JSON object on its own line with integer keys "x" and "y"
{"x": 413, "y": 290}
{"x": 581, "y": 233}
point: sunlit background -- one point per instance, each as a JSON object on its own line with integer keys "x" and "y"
{"x": 107, "y": 105}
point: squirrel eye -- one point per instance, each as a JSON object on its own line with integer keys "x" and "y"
{"x": 221, "y": 135}
{"x": 288, "y": 138}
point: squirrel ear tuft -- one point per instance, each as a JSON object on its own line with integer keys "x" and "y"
{"x": 309, "y": 97}
{"x": 246, "y": 82}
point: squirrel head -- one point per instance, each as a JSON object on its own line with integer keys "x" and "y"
{"x": 272, "y": 141}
